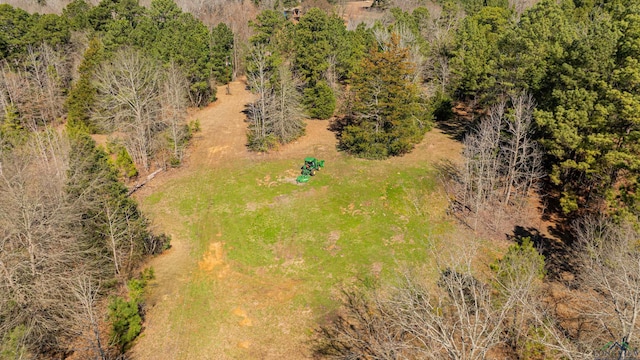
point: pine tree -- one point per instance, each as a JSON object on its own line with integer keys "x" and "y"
{"x": 387, "y": 117}
{"x": 222, "y": 46}
{"x": 82, "y": 95}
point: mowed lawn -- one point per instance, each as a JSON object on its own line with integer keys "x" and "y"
{"x": 268, "y": 257}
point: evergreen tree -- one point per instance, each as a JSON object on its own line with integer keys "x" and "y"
{"x": 531, "y": 53}
{"x": 476, "y": 52}
{"x": 313, "y": 39}
{"x": 82, "y": 95}
{"x": 77, "y": 14}
{"x": 221, "y": 53}
{"x": 591, "y": 125}
{"x": 319, "y": 100}
{"x": 110, "y": 220}
{"x": 387, "y": 116}
{"x": 14, "y": 25}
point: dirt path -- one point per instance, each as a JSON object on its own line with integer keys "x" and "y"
{"x": 221, "y": 139}
{"x": 221, "y": 143}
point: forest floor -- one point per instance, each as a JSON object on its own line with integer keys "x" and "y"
{"x": 256, "y": 260}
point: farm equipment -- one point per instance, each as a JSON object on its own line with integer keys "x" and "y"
{"x": 311, "y": 165}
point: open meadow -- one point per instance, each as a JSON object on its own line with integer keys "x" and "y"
{"x": 258, "y": 260}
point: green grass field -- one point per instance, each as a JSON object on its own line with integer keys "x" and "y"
{"x": 291, "y": 247}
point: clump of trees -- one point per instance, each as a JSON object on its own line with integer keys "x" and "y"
{"x": 304, "y": 65}
{"x": 179, "y": 63}
{"x": 575, "y": 61}
{"x": 501, "y": 166}
{"x": 67, "y": 226}
{"x": 506, "y": 308}
{"x": 460, "y": 316}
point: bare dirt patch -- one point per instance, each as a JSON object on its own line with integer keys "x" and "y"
{"x": 213, "y": 260}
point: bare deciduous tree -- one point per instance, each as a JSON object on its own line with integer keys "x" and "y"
{"x": 35, "y": 87}
{"x": 501, "y": 161}
{"x": 287, "y": 110}
{"x": 129, "y": 101}
{"x": 258, "y": 77}
{"x": 174, "y": 97}
{"x": 86, "y": 292}
{"x": 276, "y": 116}
{"x": 459, "y": 318}
{"x": 440, "y": 35}
{"x": 520, "y": 150}
{"x": 610, "y": 260}
{"x": 39, "y": 254}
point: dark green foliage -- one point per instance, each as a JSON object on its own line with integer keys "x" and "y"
{"x": 274, "y": 34}
{"x": 261, "y": 143}
{"x": 12, "y": 133}
{"x": 82, "y": 95}
{"x": 520, "y": 261}
{"x": 138, "y": 285}
{"x": 322, "y": 51}
{"x": 387, "y": 117}
{"x": 476, "y": 52}
{"x": 441, "y": 106}
{"x": 266, "y": 25}
{"x": 580, "y": 62}
{"x": 381, "y": 4}
{"x": 126, "y": 323}
{"x": 319, "y": 101}
{"x": 77, "y": 14}
{"x": 315, "y": 35}
{"x": 50, "y": 29}
{"x": 94, "y": 186}
{"x": 185, "y": 41}
{"x": 19, "y": 30}
{"x": 169, "y": 35}
{"x": 221, "y": 53}
{"x": 14, "y": 26}
{"x": 156, "y": 244}
{"x": 359, "y": 41}
{"x": 108, "y": 11}
{"x": 532, "y": 51}
{"x": 126, "y": 316}
{"x": 590, "y": 119}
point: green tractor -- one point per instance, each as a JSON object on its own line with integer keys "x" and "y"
{"x": 311, "y": 165}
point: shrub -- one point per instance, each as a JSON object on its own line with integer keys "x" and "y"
{"x": 126, "y": 322}
{"x": 125, "y": 316}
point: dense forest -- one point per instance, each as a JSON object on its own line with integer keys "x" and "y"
{"x": 545, "y": 98}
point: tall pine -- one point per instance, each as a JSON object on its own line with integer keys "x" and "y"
{"x": 387, "y": 116}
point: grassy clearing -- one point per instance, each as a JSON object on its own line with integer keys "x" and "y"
{"x": 288, "y": 247}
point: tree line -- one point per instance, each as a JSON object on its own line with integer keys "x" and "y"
{"x": 370, "y": 83}
{"x": 70, "y": 236}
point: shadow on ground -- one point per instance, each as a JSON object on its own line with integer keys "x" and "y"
{"x": 455, "y": 126}
{"x": 560, "y": 262}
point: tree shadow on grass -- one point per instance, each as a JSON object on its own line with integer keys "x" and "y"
{"x": 456, "y": 126}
